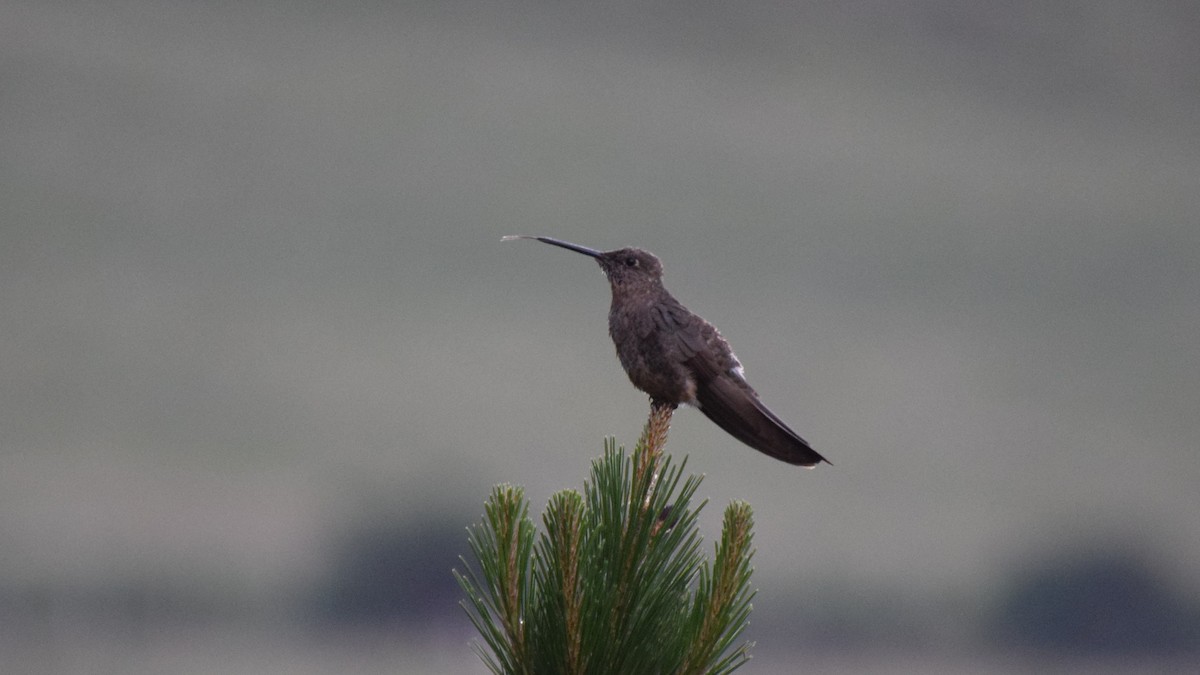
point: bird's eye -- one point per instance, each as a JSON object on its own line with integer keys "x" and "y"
{"x": 631, "y": 262}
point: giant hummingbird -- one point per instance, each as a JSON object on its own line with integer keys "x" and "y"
{"x": 676, "y": 357}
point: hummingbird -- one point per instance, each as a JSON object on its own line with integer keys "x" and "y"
{"x": 679, "y": 358}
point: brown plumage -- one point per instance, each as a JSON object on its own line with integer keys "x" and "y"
{"x": 677, "y": 357}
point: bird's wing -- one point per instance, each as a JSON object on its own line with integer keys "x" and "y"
{"x": 730, "y": 402}
{"x": 672, "y": 318}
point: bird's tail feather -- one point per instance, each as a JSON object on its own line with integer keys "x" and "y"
{"x": 742, "y": 415}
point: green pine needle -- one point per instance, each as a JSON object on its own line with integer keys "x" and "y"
{"x": 616, "y": 582}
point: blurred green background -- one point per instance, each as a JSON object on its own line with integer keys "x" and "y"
{"x": 262, "y": 353}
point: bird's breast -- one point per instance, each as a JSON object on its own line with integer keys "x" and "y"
{"x": 648, "y": 352}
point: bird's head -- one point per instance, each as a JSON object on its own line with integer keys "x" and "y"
{"x": 626, "y": 268}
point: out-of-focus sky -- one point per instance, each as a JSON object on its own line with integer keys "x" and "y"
{"x": 252, "y": 287}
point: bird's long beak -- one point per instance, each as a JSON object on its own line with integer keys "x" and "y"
{"x": 558, "y": 242}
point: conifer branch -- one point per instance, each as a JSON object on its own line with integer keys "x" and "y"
{"x": 616, "y": 583}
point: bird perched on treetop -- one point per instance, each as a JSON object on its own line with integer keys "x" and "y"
{"x": 677, "y": 357}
